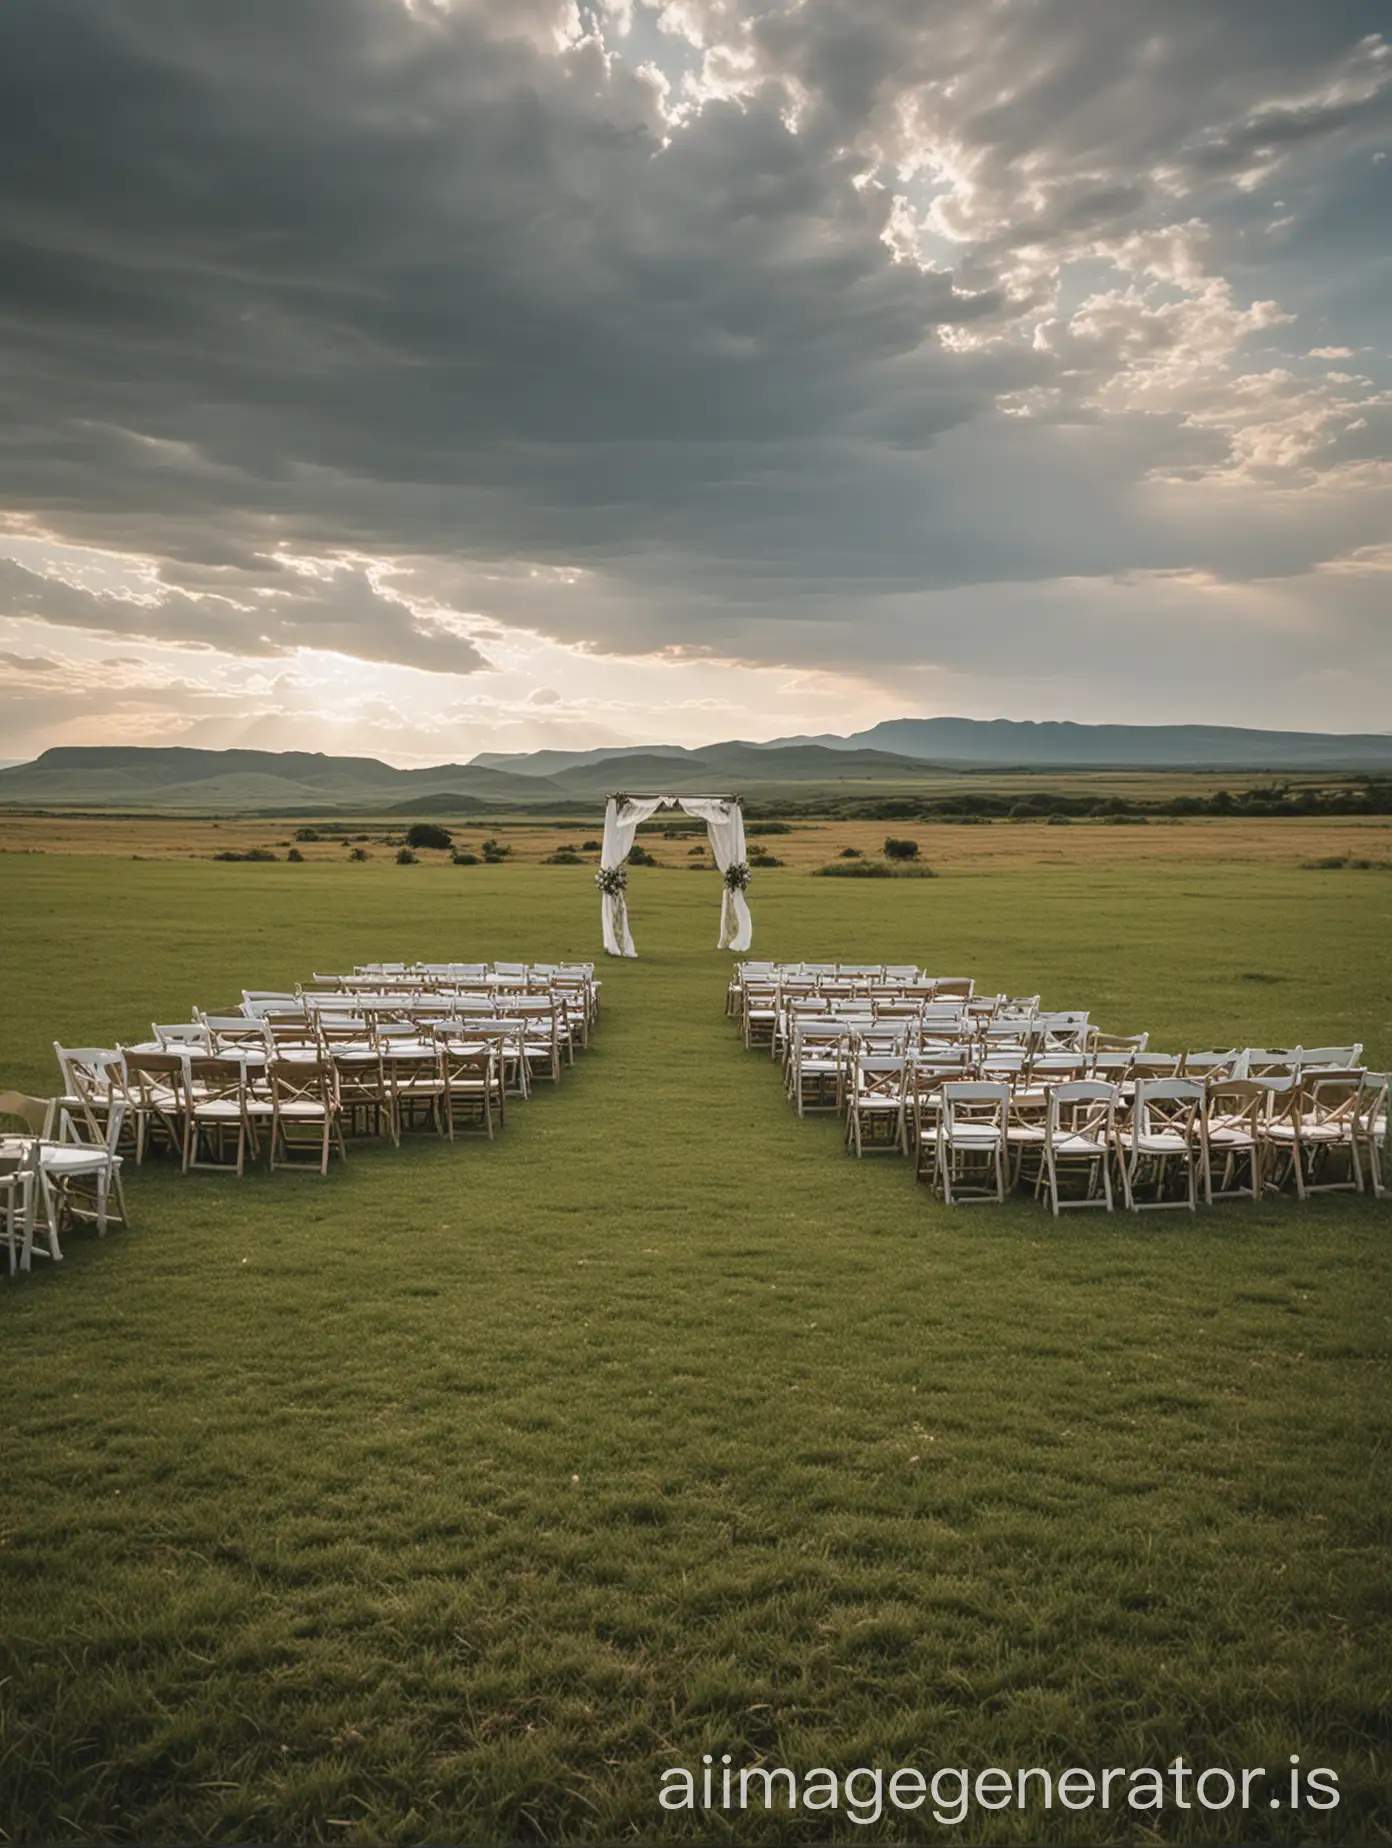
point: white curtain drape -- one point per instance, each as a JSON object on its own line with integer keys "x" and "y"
{"x": 725, "y": 826}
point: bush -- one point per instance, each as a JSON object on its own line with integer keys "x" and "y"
{"x": 1059, "y": 821}
{"x": 404, "y": 857}
{"x": 429, "y": 834}
{"x": 854, "y": 869}
{"x": 296, "y": 855}
{"x": 851, "y": 853}
{"x": 461, "y": 858}
{"x": 641, "y": 857}
{"x": 495, "y": 850}
{"x": 306, "y": 834}
{"x": 871, "y": 869}
{"x": 591, "y": 847}
{"x": 563, "y": 856}
{"x": 755, "y": 828}
{"x": 693, "y": 851}
{"x": 900, "y": 850}
{"x": 357, "y": 853}
{"x": 763, "y": 859}
{"x": 251, "y": 853}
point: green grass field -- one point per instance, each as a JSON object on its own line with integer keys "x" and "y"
{"x": 455, "y": 1497}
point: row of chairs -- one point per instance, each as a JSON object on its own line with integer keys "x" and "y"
{"x": 1168, "y": 1141}
{"x": 825, "y": 1060}
{"x": 990, "y": 1092}
{"x": 293, "y": 1075}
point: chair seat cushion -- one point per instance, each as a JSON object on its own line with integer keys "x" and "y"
{"x": 77, "y": 1160}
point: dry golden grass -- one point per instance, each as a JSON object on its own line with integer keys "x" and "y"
{"x": 997, "y": 844}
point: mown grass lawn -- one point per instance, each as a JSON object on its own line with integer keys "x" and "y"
{"x": 455, "y": 1497}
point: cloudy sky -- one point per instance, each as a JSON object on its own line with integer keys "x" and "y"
{"x": 430, "y": 376}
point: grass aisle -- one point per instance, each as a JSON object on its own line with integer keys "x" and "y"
{"x": 455, "y": 1498}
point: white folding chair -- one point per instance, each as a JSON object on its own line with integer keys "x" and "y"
{"x": 1161, "y": 1130}
{"x": 971, "y": 1141}
{"x": 1370, "y": 1128}
{"x": 875, "y": 1116}
{"x": 1233, "y": 1132}
{"x": 1079, "y": 1132}
{"x": 1319, "y": 1121}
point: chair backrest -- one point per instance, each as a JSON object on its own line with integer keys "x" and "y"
{"x": 182, "y": 1033}
{"x": 1166, "y": 1104}
{"x": 1326, "y": 1097}
{"x": 883, "y": 1037}
{"x": 980, "y": 1102}
{"x": 1120, "y": 1042}
{"x": 1237, "y": 1103}
{"x": 812, "y": 1036}
{"x": 1155, "y": 1065}
{"x": 1058, "y": 1067}
{"x": 1210, "y": 1066}
{"x": 1060, "y": 1031}
{"x": 880, "y": 1075}
{"x": 268, "y": 1001}
{"x": 939, "y": 1014}
{"x": 1267, "y": 1062}
{"x": 1331, "y": 1058}
{"x": 93, "y": 1074}
{"x": 213, "y": 1078}
{"x": 1002, "y": 1061}
{"x": 36, "y": 1113}
{"x": 1081, "y": 1107}
{"x": 147, "y": 1073}
{"x": 303, "y": 1081}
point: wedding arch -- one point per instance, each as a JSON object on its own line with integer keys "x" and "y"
{"x": 724, "y": 819}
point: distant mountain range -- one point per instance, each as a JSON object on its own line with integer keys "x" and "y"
{"x": 1024, "y": 744}
{"x": 898, "y": 751}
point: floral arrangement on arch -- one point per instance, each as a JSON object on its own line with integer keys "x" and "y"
{"x": 612, "y": 881}
{"x": 737, "y": 876}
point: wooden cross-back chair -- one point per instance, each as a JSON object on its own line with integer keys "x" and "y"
{"x": 1160, "y": 1133}
{"x": 305, "y": 1120}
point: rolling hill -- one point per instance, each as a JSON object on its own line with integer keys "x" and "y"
{"x": 897, "y": 752}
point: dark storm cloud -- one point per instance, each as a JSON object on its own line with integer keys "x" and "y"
{"x": 328, "y": 276}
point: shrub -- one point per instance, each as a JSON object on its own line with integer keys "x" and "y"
{"x": 871, "y": 869}
{"x": 641, "y": 857}
{"x": 854, "y": 869}
{"x": 493, "y": 850}
{"x": 404, "y": 857}
{"x": 357, "y": 853}
{"x": 755, "y": 828}
{"x": 251, "y": 853}
{"x": 591, "y": 846}
{"x": 563, "y": 856}
{"x": 851, "y": 853}
{"x": 306, "y": 834}
{"x": 296, "y": 855}
{"x": 429, "y": 834}
{"x": 1059, "y": 821}
{"x": 461, "y": 858}
{"x": 763, "y": 859}
{"x": 693, "y": 851}
{"x": 900, "y": 850}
